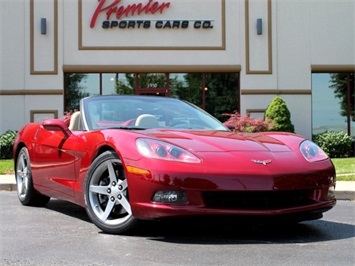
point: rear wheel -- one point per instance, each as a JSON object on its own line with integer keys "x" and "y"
{"x": 25, "y": 190}
{"x": 106, "y": 195}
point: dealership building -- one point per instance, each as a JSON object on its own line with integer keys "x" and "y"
{"x": 244, "y": 52}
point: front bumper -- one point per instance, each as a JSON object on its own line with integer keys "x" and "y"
{"x": 282, "y": 188}
{"x": 257, "y": 196}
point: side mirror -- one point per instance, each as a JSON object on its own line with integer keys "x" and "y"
{"x": 56, "y": 125}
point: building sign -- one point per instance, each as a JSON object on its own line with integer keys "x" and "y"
{"x": 116, "y": 12}
{"x": 151, "y": 24}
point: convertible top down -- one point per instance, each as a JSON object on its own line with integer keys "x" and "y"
{"x": 126, "y": 158}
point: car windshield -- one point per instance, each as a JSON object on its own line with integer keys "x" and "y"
{"x": 142, "y": 112}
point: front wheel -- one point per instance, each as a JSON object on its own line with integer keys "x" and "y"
{"x": 106, "y": 195}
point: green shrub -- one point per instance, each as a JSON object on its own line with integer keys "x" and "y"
{"x": 6, "y": 143}
{"x": 335, "y": 144}
{"x": 278, "y": 114}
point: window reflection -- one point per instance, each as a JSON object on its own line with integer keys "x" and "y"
{"x": 187, "y": 86}
{"x": 330, "y": 111}
{"x": 109, "y": 83}
{"x": 91, "y": 84}
{"x": 75, "y": 89}
{"x": 152, "y": 80}
{"x": 217, "y": 93}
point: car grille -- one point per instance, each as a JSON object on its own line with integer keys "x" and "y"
{"x": 257, "y": 200}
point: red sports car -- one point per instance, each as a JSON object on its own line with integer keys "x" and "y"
{"x": 127, "y": 158}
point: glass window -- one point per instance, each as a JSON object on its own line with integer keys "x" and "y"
{"x": 109, "y": 83}
{"x": 152, "y": 81}
{"x": 221, "y": 94}
{"x": 91, "y": 84}
{"x": 330, "y": 107}
{"x": 217, "y": 93}
{"x": 118, "y": 83}
{"x": 75, "y": 89}
{"x": 187, "y": 86}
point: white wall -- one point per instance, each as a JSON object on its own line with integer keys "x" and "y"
{"x": 332, "y": 27}
{"x": 16, "y": 81}
{"x": 304, "y": 33}
{"x": 102, "y": 54}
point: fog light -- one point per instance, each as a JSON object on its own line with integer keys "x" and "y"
{"x": 331, "y": 192}
{"x": 175, "y": 197}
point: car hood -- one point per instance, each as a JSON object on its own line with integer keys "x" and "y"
{"x": 221, "y": 141}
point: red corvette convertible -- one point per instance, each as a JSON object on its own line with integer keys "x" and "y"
{"x": 126, "y": 158}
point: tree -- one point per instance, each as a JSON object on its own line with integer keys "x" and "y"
{"x": 152, "y": 80}
{"x": 176, "y": 85}
{"x": 191, "y": 88}
{"x": 278, "y": 114}
{"x": 339, "y": 83}
{"x": 146, "y": 80}
{"x": 122, "y": 88}
{"x": 221, "y": 96}
{"x": 73, "y": 90}
{"x": 220, "y": 92}
{"x": 126, "y": 86}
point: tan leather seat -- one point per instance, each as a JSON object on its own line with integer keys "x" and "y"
{"x": 74, "y": 121}
{"x": 147, "y": 121}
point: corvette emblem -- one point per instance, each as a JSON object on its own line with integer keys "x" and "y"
{"x": 263, "y": 162}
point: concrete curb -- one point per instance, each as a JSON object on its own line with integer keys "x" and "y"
{"x": 345, "y": 195}
{"x": 8, "y": 187}
{"x": 345, "y": 190}
{"x": 8, "y": 183}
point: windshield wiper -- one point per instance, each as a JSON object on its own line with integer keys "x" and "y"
{"x": 127, "y": 128}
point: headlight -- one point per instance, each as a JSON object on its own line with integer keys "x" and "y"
{"x": 312, "y": 152}
{"x": 156, "y": 149}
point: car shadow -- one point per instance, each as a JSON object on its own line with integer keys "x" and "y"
{"x": 234, "y": 232}
{"x": 68, "y": 208}
{"x": 227, "y": 230}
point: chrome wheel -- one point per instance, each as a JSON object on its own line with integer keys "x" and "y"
{"x": 23, "y": 172}
{"x": 107, "y": 196}
{"x": 25, "y": 190}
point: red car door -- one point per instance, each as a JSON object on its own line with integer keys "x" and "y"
{"x": 53, "y": 163}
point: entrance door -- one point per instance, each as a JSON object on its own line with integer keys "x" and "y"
{"x": 154, "y": 84}
{"x": 152, "y": 92}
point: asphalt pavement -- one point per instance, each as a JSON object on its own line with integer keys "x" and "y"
{"x": 344, "y": 190}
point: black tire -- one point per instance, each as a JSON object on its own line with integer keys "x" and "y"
{"x": 106, "y": 195}
{"x": 25, "y": 191}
